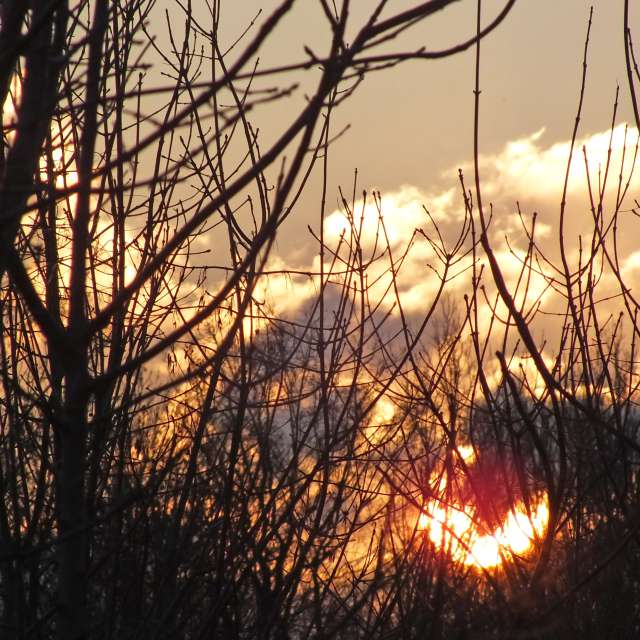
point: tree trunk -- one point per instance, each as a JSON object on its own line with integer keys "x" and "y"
{"x": 72, "y": 525}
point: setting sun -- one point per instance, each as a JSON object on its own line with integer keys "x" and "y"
{"x": 454, "y": 529}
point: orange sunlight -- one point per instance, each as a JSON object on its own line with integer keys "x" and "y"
{"x": 453, "y": 529}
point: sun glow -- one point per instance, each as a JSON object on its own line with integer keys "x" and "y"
{"x": 454, "y": 529}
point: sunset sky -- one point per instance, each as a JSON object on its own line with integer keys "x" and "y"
{"x": 411, "y": 127}
{"x": 307, "y": 335}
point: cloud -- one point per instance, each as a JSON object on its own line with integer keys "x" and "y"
{"x": 402, "y": 212}
{"x": 389, "y": 244}
{"x": 417, "y": 224}
{"x": 399, "y": 228}
{"x": 525, "y": 168}
{"x": 531, "y": 174}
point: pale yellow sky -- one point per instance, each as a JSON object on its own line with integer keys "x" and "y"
{"x": 412, "y": 123}
{"x": 412, "y": 126}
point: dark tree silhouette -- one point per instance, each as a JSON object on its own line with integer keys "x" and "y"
{"x": 178, "y": 460}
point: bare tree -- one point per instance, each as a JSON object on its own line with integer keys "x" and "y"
{"x": 114, "y": 395}
{"x": 177, "y": 459}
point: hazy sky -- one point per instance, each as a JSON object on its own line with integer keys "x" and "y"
{"x": 411, "y": 126}
{"x": 412, "y": 123}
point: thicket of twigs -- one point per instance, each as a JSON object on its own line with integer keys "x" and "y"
{"x": 177, "y": 460}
